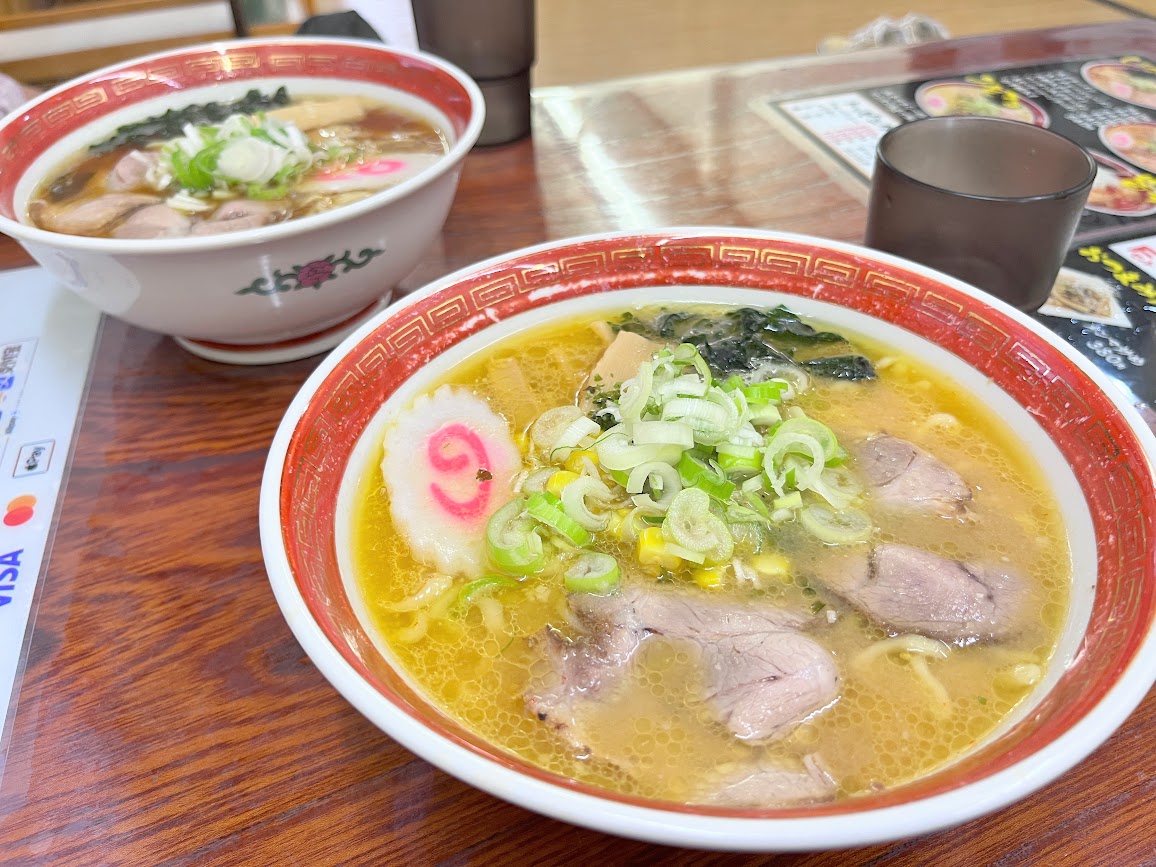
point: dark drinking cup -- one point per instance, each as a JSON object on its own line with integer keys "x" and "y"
{"x": 992, "y": 202}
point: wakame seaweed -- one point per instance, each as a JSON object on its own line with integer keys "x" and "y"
{"x": 172, "y": 123}
{"x": 740, "y": 339}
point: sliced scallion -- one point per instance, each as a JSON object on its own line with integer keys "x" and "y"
{"x": 662, "y": 479}
{"x": 574, "y": 497}
{"x": 483, "y": 586}
{"x": 513, "y": 545}
{"x": 547, "y": 509}
{"x": 593, "y": 573}
{"x": 836, "y": 528}
{"x": 691, "y": 524}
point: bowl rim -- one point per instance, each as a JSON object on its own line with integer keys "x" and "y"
{"x": 277, "y": 231}
{"x": 682, "y": 827}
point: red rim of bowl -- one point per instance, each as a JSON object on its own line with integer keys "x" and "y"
{"x": 1089, "y": 429}
{"x": 26, "y": 133}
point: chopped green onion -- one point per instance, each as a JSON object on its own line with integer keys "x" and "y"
{"x": 690, "y": 523}
{"x": 593, "y": 573}
{"x": 791, "y": 501}
{"x": 546, "y": 429}
{"x": 483, "y": 586}
{"x": 737, "y": 451}
{"x": 710, "y": 420}
{"x": 661, "y": 478}
{"x": 616, "y": 452}
{"x": 547, "y": 509}
{"x": 674, "y": 433}
{"x": 513, "y": 545}
{"x": 734, "y": 464}
{"x": 784, "y": 468}
{"x": 696, "y": 557}
{"x": 770, "y": 391}
{"x": 573, "y": 436}
{"x": 636, "y": 392}
{"x": 697, "y": 474}
{"x": 765, "y": 413}
{"x": 838, "y": 486}
{"x": 732, "y": 382}
{"x": 810, "y": 428}
{"x": 836, "y": 528}
{"x": 574, "y": 497}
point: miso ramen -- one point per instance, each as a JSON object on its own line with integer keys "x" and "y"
{"x": 216, "y": 168}
{"x": 711, "y": 555}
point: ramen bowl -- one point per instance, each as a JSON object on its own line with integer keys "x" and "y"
{"x": 272, "y": 293}
{"x": 1096, "y": 454}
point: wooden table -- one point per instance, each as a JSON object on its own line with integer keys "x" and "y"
{"x": 168, "y": 716}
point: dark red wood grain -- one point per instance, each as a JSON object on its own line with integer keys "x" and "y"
{"x": 168, "y": 716}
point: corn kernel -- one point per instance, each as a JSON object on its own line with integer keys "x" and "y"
{"x": 652, "y": 550}
{"x": 576, "y": 462}
{"x": 772, "y": 566}
{"x": 619, "y": 527}
{"x": 708, "y": 577}
{"x": 559, "y": 480}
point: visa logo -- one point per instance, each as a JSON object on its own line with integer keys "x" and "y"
{"x": 9, "y": 572}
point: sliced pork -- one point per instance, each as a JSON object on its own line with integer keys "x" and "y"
{"x": 767, "y": 784}
{"x": 154, "y": 221}
{"x": 909, "y": 590}
{"x": 94, "y": 216}
{"x": 237, "y": 215}
{"x": 762, "y": 676}
{"x": 130, "y": 170}
{"x": 902, "y": 475}
{"x": 620, "y": 361}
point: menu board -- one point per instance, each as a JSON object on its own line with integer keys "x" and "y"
{"x": 1104, "y": 300}
{"x": 47, "y": 335}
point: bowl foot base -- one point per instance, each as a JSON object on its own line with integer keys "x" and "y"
{"x": 282, "y": 351}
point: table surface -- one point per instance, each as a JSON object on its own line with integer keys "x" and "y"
{"x": 167, "y": 715}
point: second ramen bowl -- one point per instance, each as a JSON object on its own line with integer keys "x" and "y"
{"x": 261, "y": 295}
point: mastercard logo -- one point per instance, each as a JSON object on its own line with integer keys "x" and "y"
{"x": 20, "y": 510}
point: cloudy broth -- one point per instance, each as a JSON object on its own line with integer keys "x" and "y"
{"x": 654, "y": 736}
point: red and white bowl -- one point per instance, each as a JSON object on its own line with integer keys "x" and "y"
{"x": 1096, "y": 452}
{"x": 269, "y": 294}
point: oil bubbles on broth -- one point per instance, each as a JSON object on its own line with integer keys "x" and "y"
{"x": 669, "y": 703}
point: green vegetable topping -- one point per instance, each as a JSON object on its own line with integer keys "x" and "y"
{"x": 690, "y": 523}
{"x": 836, "y": 528}
{"x": 172, "y": 123}
{"x": 593, "y": 573}
{"x": 513, "y": 545}
{"x": 547, "y": 508}
{"x": 483, "y": 586}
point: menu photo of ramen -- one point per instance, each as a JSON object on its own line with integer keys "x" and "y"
{"x": 1077, "y": 295}
{"x": 1115, "y": 190}
{"x": 1132, "y": 81}
{"x": 1134, "y": 141}
{"x": 983, "y": 97}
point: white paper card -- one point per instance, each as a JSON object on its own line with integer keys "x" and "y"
{"x": 47, "y": 336}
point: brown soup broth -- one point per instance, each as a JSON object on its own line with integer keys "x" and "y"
{"x": 383, "y": 129}
{"x": 655, "y": 738}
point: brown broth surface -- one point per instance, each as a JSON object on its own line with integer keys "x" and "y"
{"x": 383, "y": 129}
